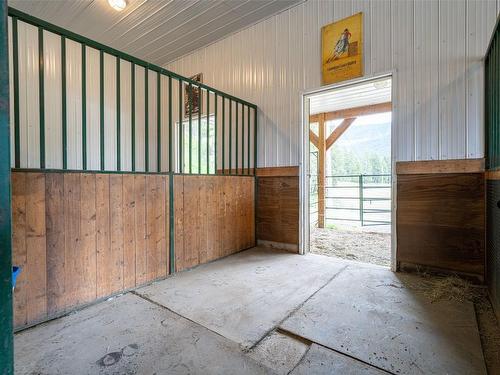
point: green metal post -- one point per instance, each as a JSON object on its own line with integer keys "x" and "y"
{"x": 181, "y": 130}
{"x": 237, "y": 138}
{"x": 15, "y": 69}
{"x": 158, "y": 118}
{"x": 200, "y": 101}
{"x": 170, "y": 124}
{"x": 146, "y": 119}
{"x": 223, "y": 133}
{"x": 64, "y": 111}
{"x": 361, "y": 205}
{"x": 230, "y": 135}
{"x": 41, "y": 96}
{"x": 84, "y": 107}
{"x": 242, "y": 139}
{"x": 207, "y": 121}
{"x": 190, "y": 102}
{"x": 101, "y": 101}
{"x": 248, "y": 140}
{"x": 255, "y": 141}
{"x": 118, "y": 116}
{"x": 216, "y": 126}
{"x": 132, "y": 106}
{"x": 6, "y": 310}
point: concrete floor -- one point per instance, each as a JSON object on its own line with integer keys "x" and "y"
{"x": 262, "y": 311}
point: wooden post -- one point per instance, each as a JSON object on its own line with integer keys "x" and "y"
{"x": 321, "y": 170}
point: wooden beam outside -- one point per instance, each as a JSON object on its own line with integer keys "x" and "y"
{"x": 353, "y": 112}
{"x": 313, "y": 138}
{"x": 339, "y": 130}
{"x": 321, "y": 172}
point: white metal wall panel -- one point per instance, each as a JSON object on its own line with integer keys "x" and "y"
{"x": 140, "y": 116}
{"x": 426, "y": 82}
{"x": 110, "y": 112}
{"x": 432, "y": 48}
{"x": 93, "y": 108}
{"x": 403, "y": 87}
{"x": 74, "y": 104}
{"x": 452, "y": 78}
{"x": 164, "y": 123}
{"x": 152, "y": 121}
{"x": 53, "y": 100}
{"x": 480, "y": 23}
{"x": 125, "y": 115}
{"x": 29, "y": 119}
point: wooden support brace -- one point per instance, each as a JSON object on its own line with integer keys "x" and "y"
{"x": 339, "y": 130}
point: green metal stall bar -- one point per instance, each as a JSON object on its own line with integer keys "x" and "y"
{"x": 6, "y": 339}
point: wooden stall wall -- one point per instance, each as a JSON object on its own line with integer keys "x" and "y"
{"x": 278, "y": 207}
{"x": 83, "y": 236}
{"x": 214, "y": 217}
{"x": 441, "y": 215}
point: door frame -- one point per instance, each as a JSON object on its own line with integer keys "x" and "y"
{"x": 304, "y": 235}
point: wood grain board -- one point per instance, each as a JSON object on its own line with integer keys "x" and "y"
{"x": 82, "y": 236}
{"x": 278, "y": 209}
{"x": 214, "y": 217}
{"x": 441, "y": 221}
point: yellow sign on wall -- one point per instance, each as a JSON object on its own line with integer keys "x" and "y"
{"x": 342, "y": 49}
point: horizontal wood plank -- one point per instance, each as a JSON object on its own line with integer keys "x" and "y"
{"x": 440, "y": 166}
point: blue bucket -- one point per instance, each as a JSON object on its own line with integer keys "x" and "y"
{"x": 15, "y": 273}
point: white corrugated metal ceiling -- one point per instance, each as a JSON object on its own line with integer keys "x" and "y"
{"x": 366, "y": 93}
{"x": 157, "y": 31}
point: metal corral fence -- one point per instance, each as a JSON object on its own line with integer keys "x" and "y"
{"x": 364, "y": 198}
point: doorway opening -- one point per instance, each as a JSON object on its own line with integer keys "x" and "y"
{"x": 350, "y": 172}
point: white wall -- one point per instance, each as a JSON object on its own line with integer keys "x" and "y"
{"x": 434, "y": 48}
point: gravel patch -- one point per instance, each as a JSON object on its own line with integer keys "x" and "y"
{"x": 362, "y": 246}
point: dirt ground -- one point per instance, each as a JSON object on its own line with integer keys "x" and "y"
{"x": 362, "y": 246}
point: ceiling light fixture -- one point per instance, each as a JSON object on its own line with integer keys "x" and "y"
{"x": 119, "y": 5}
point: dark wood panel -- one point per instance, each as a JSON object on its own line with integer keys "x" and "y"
{"x": 441, "y": 221}
{"x": 440, "y": 166}
{"x": 278, "y": 209}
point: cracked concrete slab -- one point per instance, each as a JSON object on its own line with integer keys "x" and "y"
{"x": 377, "y": 316}
{"x": 128, "y": 335}
{"x": 323, "y": 361}
{"x": 244, "y": 296}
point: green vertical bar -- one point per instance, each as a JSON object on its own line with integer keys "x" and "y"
{"x": 237, "y": 138}
{"x": 170, "y": 153}
{"x": 242, "y": 139}
{"x": 146, "y": 119}
{"x": 6, "y": 311}
{"x": 361, "y": 205}
{"x": 118, "y": 116}
{"x": 132, "y": 90}
{"x": 248, "y": 140}
{"x": 181, "y": 130}
{"x": 101, "y": 102}
{"x": 64, "y": 110}
{"x": 84, "y": 107}
{"x": 223, "y": 134}
{"x": 207, "y": 120}
{"x": 190, "y": 102}
{"x": 41, "y": 95}
{"x": 200, "y": 101}
{"x": 255, "y": 141}
{"x": 158, "y": 118}
{"x": 230, "y": 135}
{"x": 15, "y": 62}
{"x": 215, "y": 121}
